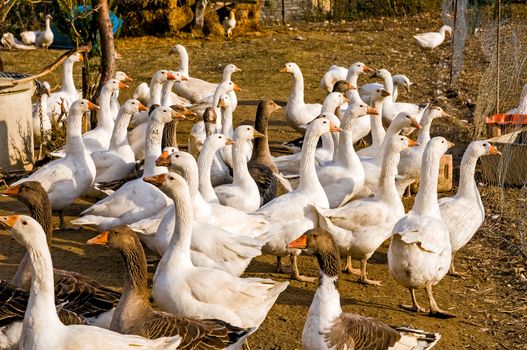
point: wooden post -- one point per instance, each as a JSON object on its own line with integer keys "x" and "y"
{"x": 107, "y": 47}
{"x": 498, "y": 39}
{"x": 283, "y": 12}
{"x": 453, "y": 44}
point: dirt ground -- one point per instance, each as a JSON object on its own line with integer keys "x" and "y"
{"x": 491, "y": 303}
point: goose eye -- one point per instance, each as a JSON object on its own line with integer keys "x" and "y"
{"x": 442, "y": 141}
{"x": 219, "y": 137}
{"x": 248, "y": 128}
{"x": 177, "y": 155}
{"x": 324, "y": 122}
{"x": 24, "y": 222}
{"x": 171, "y": 178}
{"x": 408, "y": 116}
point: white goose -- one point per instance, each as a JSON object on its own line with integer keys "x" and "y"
{"x": 118, "y": 161}
{"x": 360, "y": 227}
{"x": 433, "y": 39}
{"x": 42, "y": 328}
{"x": 39, "y": 38}
{"x": 345, "y": 176}
{"x": 334, "y": 74}
{"x": 114, "y": 104}
{"x": 206, "y": 292}
{"x": 411, "y": 159}
{"x": 291, "y": 213}
{"x": 464, "y": 212}
{"x": 68, "y": 93}
{"x": 66, "y": 179}
{"x": 243, "y": 193}
{"x": 420, "y": 251}
{"x": 194, "y": 89}
{"x": 327, "y": 327}
{"x": 372, "y": 165}
{"x": 298, "y": 113}
{"x": 376, "y": 127}
{"x": 367, "y": 90}
{"x": 135, "y": 200}
{"x": 224, "y": 250}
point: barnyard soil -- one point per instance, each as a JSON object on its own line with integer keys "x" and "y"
{"x": 491, "y": 303}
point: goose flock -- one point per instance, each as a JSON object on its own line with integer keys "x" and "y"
{"x": 208, "y": 211}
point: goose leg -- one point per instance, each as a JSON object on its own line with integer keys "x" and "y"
{"x": 63, "y": 225}
{"x": 415, "y": 306}
{"x": 280, "y": 268}
{"x": 453, "y": 272}
{"x": 348, "y": 268}
{"x": 435, "y": 311}
{"x": 295, "y": 274}
{"x": 363, "y": 275}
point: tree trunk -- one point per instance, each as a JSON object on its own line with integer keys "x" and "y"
{"x": 107, "y": 47}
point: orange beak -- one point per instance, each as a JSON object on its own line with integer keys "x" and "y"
{"x": 184, "y": 78}
{"x": 7, "y": 222}
{"x": 164, "y": 159}
{"x": 385, "y": 93}
{"x": 351, "y": 87}
{"x": 127, "y": 78}
{"x": 493, "y": 150}
{"x": 142, "y": 107}
{"x": 92, "y": 105}
{"x": 345, "y": 99}
{"x": 450, "y": 144}
{"x": 155, "y": 180}
{"x": 229, "y": 141}
{"x": 372, "y": 111}
{"x": 13, "y": 191}
{"x": 257, "y": 134}
{"x": 237, "y": 88}
{"x": 412, "y": 143}
{"x": 299, "y": 243}
{"x": 334, "y": 128}
{"x": 367, "y": 69}
{"x": 122, "y": 85}
{"x": 283, "y": 70}
{"x": 171, "y": 76}
{"x": 100, "y": 239}
{"x": 415, "y": 124}
{"x": 81, "y": 58}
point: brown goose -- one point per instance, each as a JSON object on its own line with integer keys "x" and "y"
{"x": 342, "y": 86}
{"x": 134, "y": 315}
{"x": 327, "y": 327}
{"x": 75, "y": 293}
{"x": 261, "y": 165}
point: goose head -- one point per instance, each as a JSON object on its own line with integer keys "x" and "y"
{"x": 177, "y": 160}
{"x": 436, "y": 112}
{"x": 163, "y": 75}
{"x": 120, "y": 238}
{"x": 482, "y": 148}
{"x": 224, "y": 101}
{"x": 343, "y": 86}
{"x": 169, "y": 183}
{"x": 216, "y": 142}
{"x": 359, "y": 110}
{"x": 43, "y": 88}
{"x": 379, "y": 95}
{"x": 49, "y": 17}
{"x": 133, "y": 106}
{"x": 399, "y": 143}
{"x": 82, "y": 106}
{"x": 322, "y": 125}
{"x": 446, "y": 29}
{"x": 402, "y": 80}
{"x": 231, "y": 68}
{"x": 122, "y": 76}
{"x": 405, "y": 120}
{"x": 142, "y": 93}
{"x": 177, "y": 49}
{"x": 187, "y": 113}
{"x": 438, "y": 146}
{"x": 381, "y": 73}
{"x": 114, "y": 85}
{"x": 264, "y": 110}
{"x": 335, "y": 99}
{"x": 290, "y": 67}
{"x": 164, "y": 115}
{"x": 76, "y": 57}
{"x": 321, "y": 244}
{"x": 246, "y": 133}
{"x": 24, "y": 229}
{"x": 359, "y": 67}
{"x": 31, "y": 193}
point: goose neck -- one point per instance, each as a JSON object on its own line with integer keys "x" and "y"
{"x": 205, "y": 159}
{"x": 240, "y": 172}
{"x": 226, "y": 122}
{"x": 177, "y": 254}
{"x": 326, "y": 302}
{"x": 166, "y": 93}
{"x": 48, "y": 24}
{"x": 347, "y": 157}
{"x": 424, "y": 133}
{"x": 522, "y": 106}
{"x": 261, "y": 152}
{"x": 297, "y": 93}
{"x": 74, "y": 142}
{"x": 353, "y": 95}
{"x": 68, "y": 84}
{"x": 183, "y": 61}
{"x": 41, "y": 305}
{"x": 388, "y": 83}
{"x": 120, "y": 131}
{"x": 308, "y": 174}
{"x": 156, "y": 90}
{"x": 377, "y": 130}
{"x": 387, "y": 188}
{"x": 106, "y": 120}
{"x": 154, "y": 133}
{"x": 426, "y": 199}
{"x": 467, "y": 184}
{"x": 169, "y": 138}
